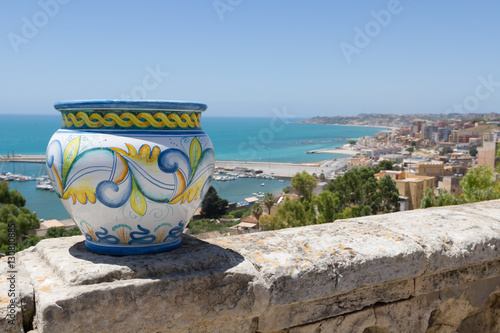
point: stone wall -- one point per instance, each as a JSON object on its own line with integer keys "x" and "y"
{"x": 432, "y": 270}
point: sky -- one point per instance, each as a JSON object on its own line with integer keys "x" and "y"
{"x": 250, "y": 58}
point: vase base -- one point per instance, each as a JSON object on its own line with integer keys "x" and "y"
{"x": 128, "y": 250}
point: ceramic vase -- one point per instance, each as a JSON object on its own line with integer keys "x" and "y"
{"x": 130, "y": 173}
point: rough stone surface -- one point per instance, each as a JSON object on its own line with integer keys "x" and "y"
{"x": 433, "y": 270}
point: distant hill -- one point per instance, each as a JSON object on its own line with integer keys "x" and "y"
{"x": 389, "y": 120}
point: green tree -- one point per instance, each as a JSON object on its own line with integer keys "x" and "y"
{"x": 389, "y": 194}
{"x": 4, "y": 192}
{"x": 497, "y": 165}
{"x": 357, "y": 187}
{"x": 304, "y": 183}
{"x": 328, "y": 206}
{"x": 56, "y": 232}
{"x": 292, "y": 213}
{"x": 410, "y": 149}
{"x": 17, "y": 199}
{"x": 31, "y": 240}
{"x": 212, "y": 205}
{"x": 351, "y": 142}
{"x": 354, "y": 211}
{"x": 473, "y": 152}
{"x": 13, "y": 213}
{"x": 446, "y": 150}
{"x": 257, "y": 210}
{"x": 444, "y": 198}
{"x": 479, "y": 184}
{"x": 428, "y": 200}
{"x": 384, "y": 165}
{"x": 269, "y": 201}
{"x": 10, "y": 197}
{"x": 241, "y": 213}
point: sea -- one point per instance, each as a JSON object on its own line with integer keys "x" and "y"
{"x": 276, "y": 139}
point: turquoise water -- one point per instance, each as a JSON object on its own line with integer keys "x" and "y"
{"x": 240, "y": 139}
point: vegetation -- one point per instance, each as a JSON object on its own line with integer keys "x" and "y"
{"x": 356, "y": 193}
{"x": 257, "y": 210}
{"x": 444, "y": 198}
{"x": 292, "y": 213}
{"x": 446, "y": 150}
{"x": 269, "y": 201}
{"x": 212, "y": 205}
{"x": 304, "y": 183}
{"x": 477, "y": 185}
{"x": 13, "y": 213}
{"x": 209, "y": 225}
{"x": 384, "y": 165}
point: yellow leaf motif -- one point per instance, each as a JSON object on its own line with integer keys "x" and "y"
{"x": 194, "y": 154}
{"x": 69, "y": 155}
{"x": 137, "y": 200}
{"x": 192, "y": 192}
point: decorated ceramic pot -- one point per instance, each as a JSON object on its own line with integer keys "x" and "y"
{"x": 130, "y": 173}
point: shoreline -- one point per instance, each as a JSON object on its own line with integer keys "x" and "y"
{"x": 287, "y": 170}
{"x": 334, "y": 151}
{"x": 352, "y": 125}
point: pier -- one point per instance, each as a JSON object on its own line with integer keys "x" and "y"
{"x": 23, "y": 158}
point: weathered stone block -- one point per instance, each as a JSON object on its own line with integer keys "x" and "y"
{"x": 402, "y": 271}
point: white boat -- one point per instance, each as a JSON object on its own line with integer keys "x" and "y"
{"x": 44, "y": 185}
{"x": 262, "y": 184}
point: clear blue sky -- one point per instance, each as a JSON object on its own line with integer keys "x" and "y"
{"x": 248, "y": 57}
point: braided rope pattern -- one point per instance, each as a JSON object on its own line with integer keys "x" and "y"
{"x": 128, "y": 120}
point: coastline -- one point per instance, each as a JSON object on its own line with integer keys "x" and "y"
{"x": 352, "y": 125}
{"x": 286, "y": 170}
{"x": 334, "y": 151}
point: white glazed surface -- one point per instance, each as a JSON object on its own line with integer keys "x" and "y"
{"x": 126, "y": 188}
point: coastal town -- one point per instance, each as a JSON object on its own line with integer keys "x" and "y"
{"x": 433, "y": 153}
{"x": 425, "y": 154}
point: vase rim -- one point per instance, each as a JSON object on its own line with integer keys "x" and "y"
{"x": 124, "y": 104}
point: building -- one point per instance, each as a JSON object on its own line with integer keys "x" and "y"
{"x": 451, "y": 184}
{"x": 411, "y": 187}
{"x": 414, "y": 188}
{"x": 486, "y": 155}
{"x": 395, "y": 175}
{"x": 496, "y": 135}
{"x": 431, "y": 169}
{"x": 357, "y": 162}
{"x": 247, "y": 225}
{"x": 67, "y": 224}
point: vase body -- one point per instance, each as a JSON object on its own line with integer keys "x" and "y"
{"x": 130, "y": 173}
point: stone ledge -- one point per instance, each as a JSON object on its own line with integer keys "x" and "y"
{"x": 267, "y": 281}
